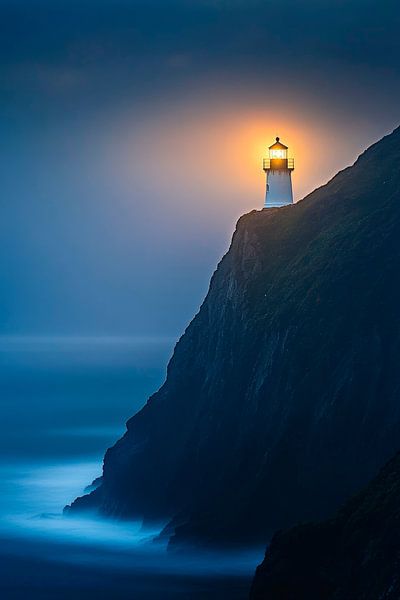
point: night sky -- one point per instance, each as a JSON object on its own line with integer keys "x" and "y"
{"x": 132, "y": 134}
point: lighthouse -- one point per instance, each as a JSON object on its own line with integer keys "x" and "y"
{"x": 278, "y": 168}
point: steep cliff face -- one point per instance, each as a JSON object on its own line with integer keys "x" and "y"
{"x": 282, "y": 396}
{"x": 355, "y": 555}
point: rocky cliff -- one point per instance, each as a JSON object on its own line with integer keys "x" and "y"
{"x": 282, "y": 396}
{"x": 355, "y": 555}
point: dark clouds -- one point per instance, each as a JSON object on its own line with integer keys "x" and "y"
{"x": 110, "y": 46}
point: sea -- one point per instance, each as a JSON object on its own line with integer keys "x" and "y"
{"x": 64, "y": 400}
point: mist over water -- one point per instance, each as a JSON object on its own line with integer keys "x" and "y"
{"x": 64, "y": 400}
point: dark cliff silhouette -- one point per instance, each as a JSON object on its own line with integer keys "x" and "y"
{"x": 355, "y": 555}
{"x": 282, "y": 396}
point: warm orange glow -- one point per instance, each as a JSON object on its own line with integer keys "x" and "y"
{"x": 207, "y": 159}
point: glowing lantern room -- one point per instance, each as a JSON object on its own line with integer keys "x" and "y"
{"x": 278, "y": 150}
{"x": 278, "y": 168}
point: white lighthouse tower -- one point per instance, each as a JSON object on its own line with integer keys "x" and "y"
{"x": 278, "y": 168}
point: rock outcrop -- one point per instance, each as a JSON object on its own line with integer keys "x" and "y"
{"x": 355, "y": 555}
{"x": 282, "y": 396}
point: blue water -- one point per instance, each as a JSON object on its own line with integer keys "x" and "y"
{"x": 63, "y": 402}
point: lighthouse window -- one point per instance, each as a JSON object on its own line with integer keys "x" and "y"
{"x": 277, "y": 153}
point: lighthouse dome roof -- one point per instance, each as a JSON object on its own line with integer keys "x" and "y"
{"x": 278, "y": 145}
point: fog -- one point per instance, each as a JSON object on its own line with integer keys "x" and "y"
{"x": 64, "y": 401}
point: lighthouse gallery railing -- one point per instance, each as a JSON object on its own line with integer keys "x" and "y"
{"x": 279, "y": 163}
